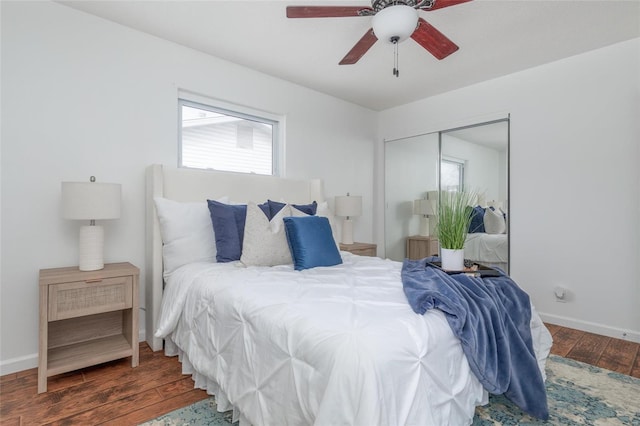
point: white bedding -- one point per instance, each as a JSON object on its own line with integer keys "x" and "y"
{"x": 487, "y": 248}
{"x": 326, "y": 346}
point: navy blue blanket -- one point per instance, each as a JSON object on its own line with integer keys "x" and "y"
{"x": 491, "y": 317}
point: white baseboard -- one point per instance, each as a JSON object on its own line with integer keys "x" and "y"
{"x": 604, "y": 330}
{"x": 21, "y": 363}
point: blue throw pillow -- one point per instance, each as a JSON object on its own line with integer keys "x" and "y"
{"x": 228, "y": 222}
{"x": 309, "y": 209}
{"x": 477, "y": 220}
{"x": 275, "y": 207}
{"x": 265, "y": 209}
{"x": 311, "y": 242}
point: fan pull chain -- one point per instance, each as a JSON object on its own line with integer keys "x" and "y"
{"x": 396, "y": 70}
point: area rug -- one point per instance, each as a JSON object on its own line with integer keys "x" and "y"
{"x": 578, "y": 394}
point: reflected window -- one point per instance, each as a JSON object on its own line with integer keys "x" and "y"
{"x": 452, "y": 175}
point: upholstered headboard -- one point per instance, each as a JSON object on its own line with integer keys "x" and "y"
{"x": 182, "y": 184}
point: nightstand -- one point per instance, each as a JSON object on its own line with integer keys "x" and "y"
{"x": 361, "y": 249}
{"x": 87, "y": 318}
{"x": 419, "y": 247}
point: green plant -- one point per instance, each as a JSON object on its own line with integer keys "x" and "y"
{"x": 454, "y": 216}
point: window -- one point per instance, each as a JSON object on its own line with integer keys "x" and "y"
{"x": 221, "y": 139}
{"x": 452, "y": 175}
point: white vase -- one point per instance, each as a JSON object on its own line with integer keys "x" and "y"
{"x": 452, "y": 259}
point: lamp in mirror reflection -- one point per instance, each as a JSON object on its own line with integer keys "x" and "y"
{"x": 424, "y": 208}
{"x": 91, "y": 201}
{"x": 348, "y": 206}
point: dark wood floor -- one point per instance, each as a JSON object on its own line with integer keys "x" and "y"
{"x": 115, "y": 394}
{"x": 605, "y": 352}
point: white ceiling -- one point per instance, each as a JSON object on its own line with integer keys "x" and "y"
{"x": 496, "y": 37}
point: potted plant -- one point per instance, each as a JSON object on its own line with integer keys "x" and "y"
{"x": 453, "y": 218}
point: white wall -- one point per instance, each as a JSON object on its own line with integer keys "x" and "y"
{"x": 82, "y": 96}
{"x": 482, "y": 168}
{"x": 575, "y": 180}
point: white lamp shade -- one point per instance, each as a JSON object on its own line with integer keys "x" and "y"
{"x": 348, "y": 205}
{"x": 424, "y": 207}
{"x": 91, "y": 200}
{"x": 395, "y": 21}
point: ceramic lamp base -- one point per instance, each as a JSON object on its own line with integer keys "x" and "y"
{"x": 91, "y": 248}
{"x": 424, "y": 226}
{"x": 347, "y": 231}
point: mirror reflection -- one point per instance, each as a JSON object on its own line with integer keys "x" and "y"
{"x": 474, "y": 158}
{"x": 411, "y": 171}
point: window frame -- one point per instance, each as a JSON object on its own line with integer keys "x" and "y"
{"x": 275, "y": 121}
{"x": 461, "y": 165}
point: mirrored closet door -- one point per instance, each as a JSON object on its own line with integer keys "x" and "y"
{"x": 474, "y": 158}
{"x": 411, "y": 171}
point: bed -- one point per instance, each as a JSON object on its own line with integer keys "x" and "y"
{"x": 327, "y": 345}
{"x": 488, "y": 249}
{"x": 488, "y": 241}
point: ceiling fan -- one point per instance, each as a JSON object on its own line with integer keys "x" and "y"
{"x": 393, "y": 21}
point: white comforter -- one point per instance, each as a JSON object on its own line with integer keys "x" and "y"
{"x": 487, "y": 248}
{"x": 327, "y": 346}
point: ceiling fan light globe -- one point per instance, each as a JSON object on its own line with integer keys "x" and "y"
{"x": 395, "y": 22}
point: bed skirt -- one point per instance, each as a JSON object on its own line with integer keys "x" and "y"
{"x": 202, "y": 382}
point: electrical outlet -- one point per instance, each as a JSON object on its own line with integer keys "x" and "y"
{"x": 561, "y": 294}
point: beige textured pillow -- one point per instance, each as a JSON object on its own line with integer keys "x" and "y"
{"x": 265, "y": 242}
{"x": 494, "y": 222}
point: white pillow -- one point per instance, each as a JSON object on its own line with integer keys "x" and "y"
{"x": 506, "y": 222}
{"x": 494, "y": 222}
{"x": 187, "y": 233}
{"x": 336, "y": 225}
{"x": 265, "y": 242}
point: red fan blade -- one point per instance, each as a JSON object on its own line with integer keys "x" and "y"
{"x": 360, "y": 48}
{"x": 444, "y": 3}
{"x": 433, "y": 40}
{"x": 325, "y": 11}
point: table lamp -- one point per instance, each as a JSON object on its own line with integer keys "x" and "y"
{"x": 91, "y": 201}
{"x": 424, "y": 208}
{"x": 348, "y": 206}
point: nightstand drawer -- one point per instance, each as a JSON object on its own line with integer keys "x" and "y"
{"x": 69, "y": 300}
